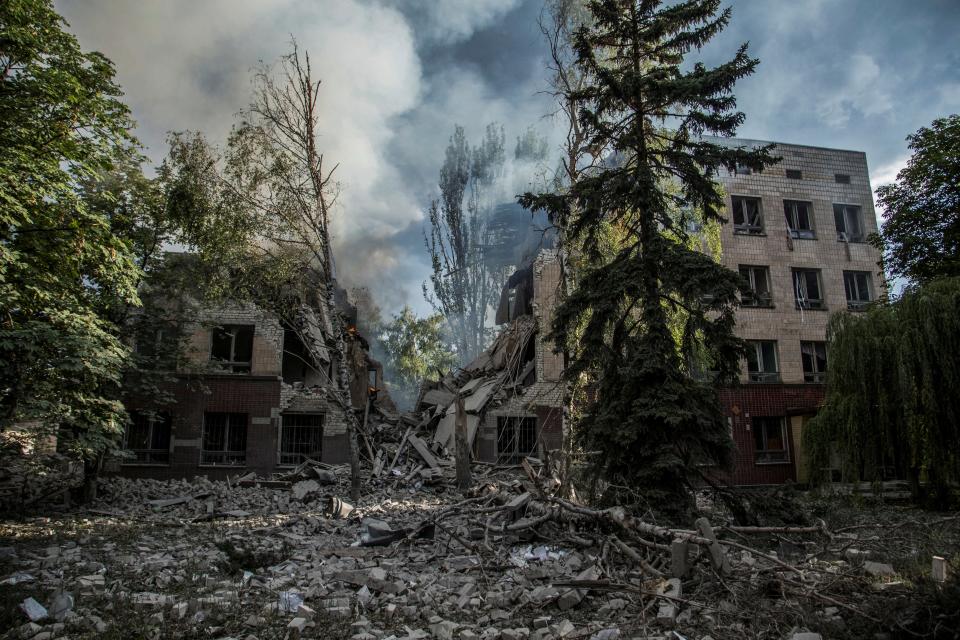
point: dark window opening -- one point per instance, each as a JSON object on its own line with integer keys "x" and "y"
{"x": 747, "y": 215}
{"x": 296, "y": 362}
{"x": 841, "y": 178}
{"x": 232, "y": 347}
{"x": 799, "y": 217}
{"x": 759, "y": 280}
{"x": 770, "y": 440}
{"x": 224, "y": 439}
{"x": 794, "y": 174}
{"x": 147, "y": 436}
{"x": 516, "y": 438}
{"x": 742, "y": 170}
{"x": 807, "y": 290}
{"x": 762, "y": 363}
{"x": 857, "y": 286}
{"x": 814, "y": 356}
{"x": 301, "y": 437}
{"x": 849, "y": 223}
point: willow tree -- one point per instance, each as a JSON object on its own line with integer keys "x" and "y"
{"x": 891, "y": 391}
{"x": 652, "y": 419}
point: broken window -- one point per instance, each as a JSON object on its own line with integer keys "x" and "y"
{"x": 762, "y": 361}
{"x": 858, "y": 289}
{"x": 759, "y": 280}
{"x": 814, "y": 356}
{"x": 807, "y": 290}
{"x": 301, "y": 437}
{"x": 147, "y": 436}
{"x": 231, "y": 347}
{"x": 849, "y": 222}
{"x": 747, "y": 215}
{"x": 794, "y": 174}
{"x": 770, "y": 440}
{"x": 224, "y": 439}
{"x": 516, "y": 438}
{"x": 742, "y": 170}
{"x": 841, "y": 178}
{"x": 799, "y": 215}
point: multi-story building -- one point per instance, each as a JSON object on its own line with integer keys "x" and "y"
{"x": 246, "y": 395}
{"x": 797, "y": 232}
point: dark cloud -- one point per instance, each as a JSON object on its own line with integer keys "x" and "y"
{"x": 399, "y": 74}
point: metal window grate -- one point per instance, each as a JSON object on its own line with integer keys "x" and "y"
{"x": 148, "y": 437}
{"x": 224, "y": 439}
{"x": 301, "y": 437}
{"x": 516, "y": 438}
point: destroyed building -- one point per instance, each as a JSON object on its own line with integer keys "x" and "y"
{"x": 797, "y": 232}
{"x": 513, "y": 392}
{"x": 247, "y": 395}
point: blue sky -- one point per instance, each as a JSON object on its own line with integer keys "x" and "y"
{"x": 398, "y": 75}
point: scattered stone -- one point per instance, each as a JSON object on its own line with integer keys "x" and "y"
{"x": 33, "y": 610}
{"x": 878, "y": 569}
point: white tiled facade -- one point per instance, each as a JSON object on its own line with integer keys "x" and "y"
{"x": 818, "y": 184}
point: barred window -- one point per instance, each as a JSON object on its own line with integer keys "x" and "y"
{"x": 301, "y": 437}
{"x": 224, "y": 439}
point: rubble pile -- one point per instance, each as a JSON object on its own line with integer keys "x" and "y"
{"x": 508, "y": 559}
{"x": 29, "y": 477}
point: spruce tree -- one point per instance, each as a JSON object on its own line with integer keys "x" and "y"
{"x": 652, "y": 414}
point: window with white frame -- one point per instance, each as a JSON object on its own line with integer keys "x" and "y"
{"x": 301, "y": 437}
{"x": 859, "y": 289}
{"x": 849, "y": 221}
{"x": 747, "y": 215}
{"x": 231, "y": 347}
{"x": 147, "y": 436}
{"x": 762, "y": 364}
{"x": 814, "y": 357}
{"x": 224, "y": 439}
{"x": 807, "y": 290}
{"x": 759, "y": 280}
{"x": 799, "y": 215}
{"x": 770, "y": 440}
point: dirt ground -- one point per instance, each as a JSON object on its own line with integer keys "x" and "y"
{"x": 430, "y": 562}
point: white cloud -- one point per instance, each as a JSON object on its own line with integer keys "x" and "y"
{"x": 449, "y": 21}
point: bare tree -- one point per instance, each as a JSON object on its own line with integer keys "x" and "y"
{"x": 274, "y": 194}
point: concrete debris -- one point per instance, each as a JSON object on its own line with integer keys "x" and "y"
{"x": 33, "y": 610}
{"x": 508, "y": 559}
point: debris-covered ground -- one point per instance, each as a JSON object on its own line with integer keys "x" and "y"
{"x": 506, "y": 560}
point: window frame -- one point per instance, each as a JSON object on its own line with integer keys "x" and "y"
{"x": 815, "y": 374}
{"x": 807, "y": 303}
{"x": 285, "y": 457}
{"x": 793, "y": 174}
{"x": 845, "y": 233}
{"x": 790, "y": 209}
{"x": 228, "y": 457}
{"x": 233, "y": 365}
{"x": 761, "y": 376}
{"x": 755, "y": 301}
{"x": 763, "y": 456}
{"x": 163, "y": 455}
{"x": 744, "y": 228}
{"x": 858, "y": 304}
{"x": 841, "y": 178}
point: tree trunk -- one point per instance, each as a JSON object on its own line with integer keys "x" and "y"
{"x": 463, "y": 447}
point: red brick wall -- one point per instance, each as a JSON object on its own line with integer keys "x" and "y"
{"x": 743, "y": 403}
{"x": 550, "y": 423}
{"x": 253, "y": 395}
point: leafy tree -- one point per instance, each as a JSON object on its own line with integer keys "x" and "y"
{"x": 415, "y": 351}
{"x": 650, "y": 416}
{"x": 891, "y": 391}
{"x": 63, "y": 264}
{"x": 464, "y": 285}
{"x": 921, "y": 236}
